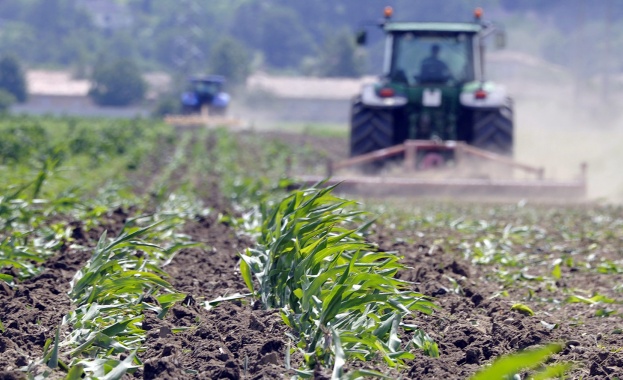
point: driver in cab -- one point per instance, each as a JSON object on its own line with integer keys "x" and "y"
{"x": 433, "y": 69}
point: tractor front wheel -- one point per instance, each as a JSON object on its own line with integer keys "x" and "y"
{"x": 371, "y": 129}
{"x": 493, "y": 129}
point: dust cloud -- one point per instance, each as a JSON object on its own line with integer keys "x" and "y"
{"x": 560, "y": 124}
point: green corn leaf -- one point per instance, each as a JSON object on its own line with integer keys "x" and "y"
{"x": 523, "y": 309}
{"x": 557, "y": 272}
{"x": 384, "y": 328}
{"x": 394, "y": 342}
{"x": 46, "y": 347}
{"x": 88, "y": 342}
{"x": 12, "y": 263}
{"x": 108, "y": 343}
{"x": 53, "y": 361}
{"x": 401, "y": 356}
{"x": 304, "y": 374}
{"x": 245, "y": 271}
{"x": 169, "y": 298}
{"x": 212, "y": 303}
{"x": 119, "y": 327}
{"x": 589, "y": 301}
{"x": 365, "y": 373}
{"x": 340, "y": 357}
{"x": 127, "y": 236}
{"x": 424, "y": 342}
{"x": 121, "y": 368}
{"x": 511, "y": 364}
{"x": 554, "y": 371}
{"x": 6, "y": 278}
{"x": 75, "y": 373}
{"x": 332, "y": 303}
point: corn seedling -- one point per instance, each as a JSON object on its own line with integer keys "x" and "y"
{"x": 425, "y": 343}
{"x": 510, "y": 365}
{"x": 523, "y": 309}
{"x": 337, "y": 291}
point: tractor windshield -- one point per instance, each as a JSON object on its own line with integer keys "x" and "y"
{"x": 432, "y": 58}
{"x": 206, "y": 88}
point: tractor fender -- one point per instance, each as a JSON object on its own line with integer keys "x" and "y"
{"x": 496, "y": 95}
{"x": 370, "y": 98}
{"x": 221, "y": 100}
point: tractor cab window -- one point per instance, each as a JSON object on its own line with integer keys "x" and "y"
{"x": 432, "y": 58}
{"x": 206, "y": 88}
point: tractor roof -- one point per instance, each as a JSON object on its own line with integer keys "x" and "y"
{"x": 208, "y": 78}
{"x": 450, "y": 27}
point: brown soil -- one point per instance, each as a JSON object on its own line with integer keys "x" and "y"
{"x": 239, "y": 340}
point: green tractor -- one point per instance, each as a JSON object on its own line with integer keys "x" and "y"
{"x": 433, "y": 88}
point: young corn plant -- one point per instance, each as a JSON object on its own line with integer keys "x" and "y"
{"x": 111, "y": 293}
{"x": 336, "y": 290}
{"x": 510, "y": 366}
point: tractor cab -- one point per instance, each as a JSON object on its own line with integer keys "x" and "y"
{"x": 205, "y": 91}
{"x": 429, "y": 53}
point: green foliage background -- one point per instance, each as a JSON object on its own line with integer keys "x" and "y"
{"x": 117, "y": 83}
{"x": 284, "y": 35}
{"x": 12, "y": 80}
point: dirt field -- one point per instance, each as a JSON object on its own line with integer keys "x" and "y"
{"x": 239, "y": 340}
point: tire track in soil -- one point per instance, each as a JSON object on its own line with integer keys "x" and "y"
{"x": 33, "y": 309}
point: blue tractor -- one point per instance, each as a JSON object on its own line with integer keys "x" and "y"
{"x": 206, "y": 91}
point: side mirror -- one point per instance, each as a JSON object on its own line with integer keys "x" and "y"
{"x": 500, "y": 39}
{"x": 361, "y": 37}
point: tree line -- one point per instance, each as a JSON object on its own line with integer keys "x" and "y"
{"x": 235, "y": 37}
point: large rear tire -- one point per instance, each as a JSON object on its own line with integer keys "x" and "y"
{"x": 371, "y": 129}
{"x": 493, "y": 129}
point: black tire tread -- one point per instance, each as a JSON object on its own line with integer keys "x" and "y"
{"x": 493, "y": 129}
{"x": 371, "y": 129}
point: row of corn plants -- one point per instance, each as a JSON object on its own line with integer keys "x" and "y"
{"x": 123, "y": 280}
{"x": 102, "y": 336}
{"x": 337, "y": 291}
